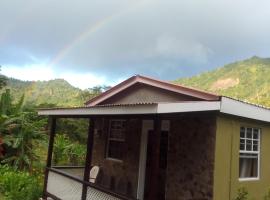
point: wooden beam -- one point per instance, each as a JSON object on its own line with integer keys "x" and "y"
{"x": 52, "y": 121}
{"x": 155, "y": 173}
{"x": 88, "y": 160}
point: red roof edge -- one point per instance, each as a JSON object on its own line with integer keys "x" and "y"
{"x": 152, "y": 82}
{"x": 104, "y": 94}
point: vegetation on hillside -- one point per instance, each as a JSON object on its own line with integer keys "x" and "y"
{"x": 248, "y": 80}
{"x": 24, "y": 135}
{"x": 22, "y": 131}
{"x": 56, "y": 92}
{"x": 24, "y": 141}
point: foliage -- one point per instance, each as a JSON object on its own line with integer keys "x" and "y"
{"x": 16, "y": 185}
{"x": 21, "y": 130}
{"x": 51, "y": 93}
{"x": 242, "y": 194}
{"x": 60, "y": 149}
{"x": 3, "y": 80}
{"x": 76, "y": 154}
{"x": 76, "y": 129}
{"x": 68, "y": 152}
{"x": 247, "y": 80}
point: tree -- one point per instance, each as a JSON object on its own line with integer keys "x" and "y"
{"x": 21, "y": 130}
{"x": 93, "y": 92}
{"x": 3, "y": 80}
{"x": 60, "y": 148}
{"x": 68, "y": 152}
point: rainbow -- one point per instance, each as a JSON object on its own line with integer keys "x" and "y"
{"x": 78, "y": 39}
{"x": 88, "y": 32}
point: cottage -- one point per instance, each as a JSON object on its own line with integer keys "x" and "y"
{"x": 154, "y": 140}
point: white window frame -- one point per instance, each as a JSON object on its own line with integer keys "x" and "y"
{"x": 113, "y": 139}
{"x": 251, "y": 152}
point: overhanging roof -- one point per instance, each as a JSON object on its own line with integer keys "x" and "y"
{"x": 132, "y": 109}
{"x": 225, "y": 105}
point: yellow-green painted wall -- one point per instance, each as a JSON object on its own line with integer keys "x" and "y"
{"x": 226, "y": 170}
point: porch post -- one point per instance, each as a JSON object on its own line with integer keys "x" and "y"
{"x": 88, "y": 159}
{"x": 52, "y": 121}
{"x": 155, "y": 174}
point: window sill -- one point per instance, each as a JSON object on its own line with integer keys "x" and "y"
{"x": 248, "y": 179}
{"x": 115, "y": 160}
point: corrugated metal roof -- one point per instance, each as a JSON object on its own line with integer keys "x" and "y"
{"x": 102, "y": 106}
{"x": 247, "y": 102}
{"x": 149, "y": 103}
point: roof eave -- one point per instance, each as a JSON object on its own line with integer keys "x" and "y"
{"x": 145, "y": 109}
{"x": 225, "y": 106}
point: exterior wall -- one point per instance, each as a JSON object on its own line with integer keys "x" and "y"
{"x": 191, "y": 158}
{"x": 121, "y": 172}
{"x": 226, "y": 182}
{"x": 147, "y": 94}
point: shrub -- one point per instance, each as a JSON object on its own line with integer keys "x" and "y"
{"x": 16, "y": 185}
{"x": 68, "y": 152}
{"x": 242, "y": 194}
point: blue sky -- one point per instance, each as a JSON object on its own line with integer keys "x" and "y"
{"x": 105, "y": 41}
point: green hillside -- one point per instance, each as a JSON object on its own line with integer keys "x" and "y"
{"x": 58, "y": 92}
{"x": 247, "y": 80}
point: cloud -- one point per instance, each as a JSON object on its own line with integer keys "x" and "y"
{"x": 83, "y": 81}
{"x": 118, "y": 38}
{"x": 33, "y": 72}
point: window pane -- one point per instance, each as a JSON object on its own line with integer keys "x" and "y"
{"x": 116, "y": 150}
{"x": 255, "y": 133}
{"x": 249, "y": 141}
{"x": 242, "y": 147}
{"x": 248, "y": 167}
{"x": 249, "y": 133}
{"x": 248, "y": 147}
{"x": 242, "y": 132}
{"x": 117, "y": 129}
{"x": 255, "y": 147}
{"x": 117, "y": 134}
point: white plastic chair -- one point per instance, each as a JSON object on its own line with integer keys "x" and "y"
{"x": 93, "y": 174}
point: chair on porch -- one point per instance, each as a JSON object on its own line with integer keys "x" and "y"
{"x": 94, "y": 174}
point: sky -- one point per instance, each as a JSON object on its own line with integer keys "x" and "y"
{"x": 99, "y": 42}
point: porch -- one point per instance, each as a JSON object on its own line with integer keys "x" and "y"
{"x": 153, "y": 163}
{"x": 67, "y": 184}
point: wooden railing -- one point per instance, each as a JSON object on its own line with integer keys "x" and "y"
{"x": 84, "y": 183}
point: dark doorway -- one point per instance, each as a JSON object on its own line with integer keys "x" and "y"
{"x": 155, "y": 180}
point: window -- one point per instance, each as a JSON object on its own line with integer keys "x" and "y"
{"x": 249, "y": 153}
{"x": 116, "y": 139}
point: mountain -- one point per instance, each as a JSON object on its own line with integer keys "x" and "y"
{"x": 57, "y": 92}
{"x": 247, "y": 80}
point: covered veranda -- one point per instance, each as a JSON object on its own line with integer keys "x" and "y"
{"x": 73, "y": 182}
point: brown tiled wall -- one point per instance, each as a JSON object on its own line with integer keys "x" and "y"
{"x": 121, "y": 172}
{"x": 191, "y": 158}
